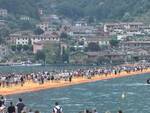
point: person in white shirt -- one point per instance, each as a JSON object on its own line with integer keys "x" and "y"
{"x": 2, "y": 108}
{"x": 57, "y": 108}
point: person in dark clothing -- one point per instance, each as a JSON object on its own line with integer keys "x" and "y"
{"x": 20, "y": 105}
{"x": 2, "y": 100}
{"x": 52, "y": 78}
{"x": 11, "y": 108}
{"x": 70, "y": 78}
{"x": 36, "y": 111}
{"x": 22, "y": 81}
{"x": 120, "y": 111}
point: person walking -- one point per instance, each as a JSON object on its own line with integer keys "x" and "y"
{"x": 120, "y": 111}
{"x": 57, "y": 108}
{"x": 11, "y": 108}
{"x": 2, "y": 108}
{"x": 20, "y": 105}
{"x": 94, "y": 111}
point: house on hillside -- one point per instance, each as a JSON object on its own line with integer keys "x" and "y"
{"x": 24, "y": 37}
{"x": 3, "y": 12}
{"x": 135, "y": 44}
{"x": 25, "y": 18}
{"x": 99, "y": 40}
{"x": 37, "y": 46}
{"x": 20, "y": 38}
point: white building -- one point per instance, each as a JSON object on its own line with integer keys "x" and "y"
{"x": 111, "y": 27}
{"x": 25, "y": 18}
{"x": 101, "y": 41}
{"x": 43, "y": 25}
{"x": 3, "y": 12}
{"x": 23, "y": 38}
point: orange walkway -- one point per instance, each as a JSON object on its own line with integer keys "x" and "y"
{"x": 30, "y": 86}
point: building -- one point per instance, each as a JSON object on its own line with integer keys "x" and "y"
{"x": 99, "y": 40}
{"x": 51, "y": 19}
{"x": 130, "y": 29}
{"x": 3, "y": 23}
{"x": 25, "y": 18}
{"x": 82, "y": 31}
{"x": 26, "y": 37}
{"x": 53, "y": 37}
{"x": 37, "y": 46}
{"x": 41, "y": 11}
{"x": 20, "y": 38}
{"x": 135, "y": 44}
{"x": 110, "y": 27}
{"x": 43, "y": 25}
{"x": 3, "y": 12}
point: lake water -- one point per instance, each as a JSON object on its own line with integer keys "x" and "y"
{"x": 28, "y": 69}
{"x": 103, "y": 95}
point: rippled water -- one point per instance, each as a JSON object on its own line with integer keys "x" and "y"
{"x": 29, "y": 69}
{"x": 103, "y": 95}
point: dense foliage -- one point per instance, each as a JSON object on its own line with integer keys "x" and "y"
{"x": 20, "y": 7}
{"x": 104, "y": 10}
{"x": 101, "y": 10}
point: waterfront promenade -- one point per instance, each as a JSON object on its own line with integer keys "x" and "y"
{"x": 30, "y": 86}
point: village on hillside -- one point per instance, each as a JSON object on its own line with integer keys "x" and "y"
{"x": 57, "y": 39}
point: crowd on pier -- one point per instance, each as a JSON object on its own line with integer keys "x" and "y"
{"x": 20, "y": 107}
{"x": 11, "y": 79}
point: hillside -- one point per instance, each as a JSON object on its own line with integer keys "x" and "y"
{"x": 101, "y": 10}
{"x": 20, "y": 7}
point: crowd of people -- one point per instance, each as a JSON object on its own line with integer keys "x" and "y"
{"x": 20, "y": 107}
{"x": 11, "y": 79}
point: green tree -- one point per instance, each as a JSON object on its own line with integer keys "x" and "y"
{"x": 72, "y": 49}
{"x": 19, "y": 48}
{"x": 13, "y": 47}
{"x": 4, "y": 32}
{"x": 25, "y": 47}
{"x": 63, "y": 36}
{"x": 40, "y": 55}
{"x": 114, "y": 42}
{"x": 52, "y": 52}
{"x": 93, "y": 47}
{"x": 81, "y": 43}
{"x": 65, "y": 55}
{"x": 26, "y": 25}
{"x": 30, "y": 41}
{"x": 38, "y": 31}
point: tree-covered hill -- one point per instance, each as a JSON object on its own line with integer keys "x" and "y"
{"x": 20, "y": 7}
{"x": 102, "y": 10}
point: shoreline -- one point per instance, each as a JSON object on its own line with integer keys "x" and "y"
{"x": 34, "y": 87}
